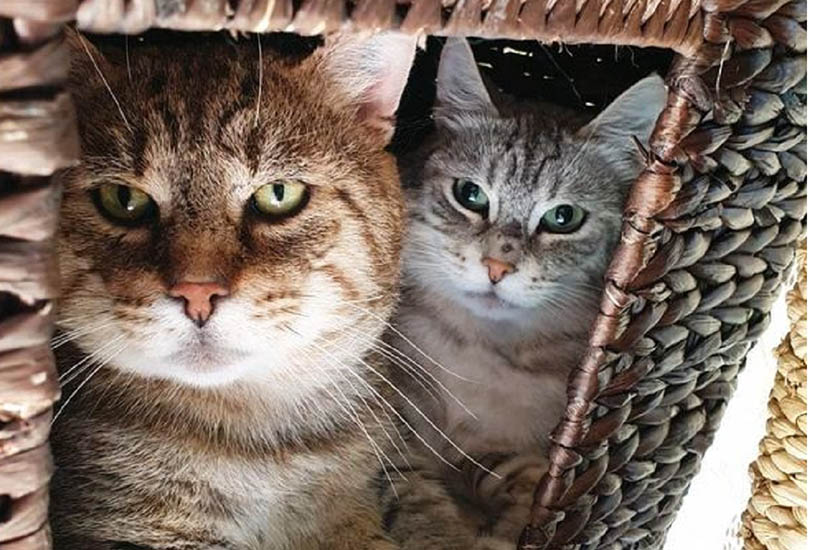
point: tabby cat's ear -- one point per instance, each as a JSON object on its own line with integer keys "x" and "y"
{"x": 371, "y": 71}
{"x": 85, "y": 56}
{"x": 460, "y": 88}
{"x": 632, "y": 114}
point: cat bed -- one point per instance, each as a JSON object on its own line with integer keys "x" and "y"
{"x": 709, "y": 234}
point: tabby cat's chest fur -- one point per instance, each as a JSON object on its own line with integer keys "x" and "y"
{"x": 168, "y": 484}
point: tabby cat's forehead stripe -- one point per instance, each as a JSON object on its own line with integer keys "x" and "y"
{"x": 140, "y": 141}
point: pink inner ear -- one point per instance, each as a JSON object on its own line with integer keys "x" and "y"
{"x": 372, "y": 73}
{"x": 380, "y": 100}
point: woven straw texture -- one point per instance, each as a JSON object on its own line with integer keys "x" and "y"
{"x": 776, "y": 517}
{"x": 677, "y": 24}
{"x": 709, "y": 235}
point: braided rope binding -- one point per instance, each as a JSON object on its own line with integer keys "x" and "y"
{"x": 37, "y": 137}
{"x": 776, "y": 517}
{"x": 709, "y": 235}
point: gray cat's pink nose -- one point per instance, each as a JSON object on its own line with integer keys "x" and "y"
{"x": 497, "y": 269}
{"x": 199, "y": 298}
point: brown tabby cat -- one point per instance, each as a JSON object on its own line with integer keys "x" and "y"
{"x": 229, "y": 254}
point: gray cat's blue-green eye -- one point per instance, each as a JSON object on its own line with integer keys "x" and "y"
{"x": 564, "y": 218}
{"x": 471, "y": 196}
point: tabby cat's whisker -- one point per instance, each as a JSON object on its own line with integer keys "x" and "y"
{"x": 410, "y": 342}
{"x": 102, "y": 364}
{"x": 260, "y": 80}
{"x": 105, "y": 82}
{"x": 67, "y": 376}
{"x": 128, "y": 63}
{"x": 349, "y": 409}
{"x": 410, "y": 365}
{"x": 421, "y": 413}
{"x": 379, "y": 453}
{"x": 63, "y": 338}
{"x": 383, "y": 408}
{"x": 346, "y": 370}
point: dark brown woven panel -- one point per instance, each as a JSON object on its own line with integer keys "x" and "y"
{"x": 37, "y": 136}
{"x": 710, "y": 232}
{"x": 675, "y": 24}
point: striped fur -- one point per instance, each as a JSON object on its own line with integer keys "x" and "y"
{"x": 249, "y": 433}
{"x": 498, "y": 355}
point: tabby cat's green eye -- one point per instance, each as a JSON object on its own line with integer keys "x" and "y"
{"x": 471, "y": 196}
{"x": 280, "y": 199}
{"x": 564, "y": 218}
{"x": 124, "y": 204}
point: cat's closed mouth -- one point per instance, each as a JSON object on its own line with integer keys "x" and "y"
{"x": 206, "y": 357}
{"x": 490, "y": 299}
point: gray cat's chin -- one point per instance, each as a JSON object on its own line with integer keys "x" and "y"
{"x": 490, "y": 305}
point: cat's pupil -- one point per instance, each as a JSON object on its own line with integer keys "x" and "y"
{"x": 564, "y": 214}
{"x": 278, "y": 190}
{"x": 471, "y": 192}
{"x": 124, "y": 196}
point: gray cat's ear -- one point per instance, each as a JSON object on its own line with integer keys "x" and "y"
{"x": 460, "y": 88}
{"x": 632, "y": 114}
{"x": 371, "y": 71}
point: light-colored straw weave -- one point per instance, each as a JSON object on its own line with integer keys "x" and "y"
{"x": 776, "y": 516}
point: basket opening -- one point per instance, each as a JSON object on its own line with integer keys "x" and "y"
{"x": 5, "y": 508}
{"x": 583, "y": 77}
{"x": 11, "y": 305}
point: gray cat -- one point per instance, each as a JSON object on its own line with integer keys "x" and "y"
{"x": 515, "y": 209}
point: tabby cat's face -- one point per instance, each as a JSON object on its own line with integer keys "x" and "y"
{"x": 229, "y": 227}
{"x": 516, "y": 208}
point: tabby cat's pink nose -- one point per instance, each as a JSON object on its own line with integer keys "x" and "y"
{"x": 199, "y": 299}
{"x": 497, "y": 269}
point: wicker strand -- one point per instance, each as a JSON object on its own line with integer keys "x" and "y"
{"x": 776, "y": 516}
{"x": 37, "y": 137}
{"x": 675, "y": 24}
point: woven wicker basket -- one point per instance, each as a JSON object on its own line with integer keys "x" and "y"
{"x": 710, "y": 231}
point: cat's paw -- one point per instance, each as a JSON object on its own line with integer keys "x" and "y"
{"x": 511, "y": 481}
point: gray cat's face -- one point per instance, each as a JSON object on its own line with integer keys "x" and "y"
{"x": 521, "y": 193}
{"x": 514, "y": 213}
